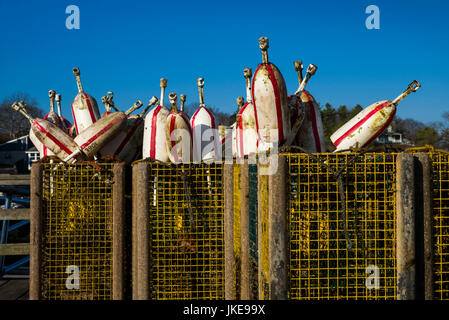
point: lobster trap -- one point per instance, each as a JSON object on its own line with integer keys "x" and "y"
{"x": 342, "y": 226}
{"x": 77, "y": 231}
{"x": 178, "y": 231}
{"x": 439, "y": 162}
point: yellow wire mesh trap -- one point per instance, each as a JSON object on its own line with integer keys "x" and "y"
{"x": 440, "y": 208}
{"x": 77, "y": 231}
{"x": 187, "y": 235}
{"x": 327, "y": 261}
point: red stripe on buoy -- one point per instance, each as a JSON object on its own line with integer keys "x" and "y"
{"x": 128, "y": 136}
{"x": 53, "y": 138}
{"x": 314, "y": 121}
{"x": 381, "y": 129}
{"x": 90, "y": 108}
{"x": 74, "y": 119}
{"x": 153, "y": 132}
{"x": 362, "y": 121}
{"x": 254, "y": 104}
{"x": 278, "y": 102}
{"x": 172, "y": 128}
{"x": 101, "y": 132}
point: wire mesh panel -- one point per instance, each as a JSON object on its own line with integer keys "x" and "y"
{"x": 253, "y": 247}
{"x": 186, "y": 217}
{"x": 440, "y": 216}
{"x": 440, "y": 165}
{"x": 77, "y": 241}
{"x": 237, "y": 231}
{"x": 336, "y": 253}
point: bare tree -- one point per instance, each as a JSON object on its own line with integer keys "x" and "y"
{"x": 13, "y": 124}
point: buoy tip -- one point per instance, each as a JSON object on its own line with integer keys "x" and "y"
{"x": 263, "y": 43}
{"x": 247, "y": 72}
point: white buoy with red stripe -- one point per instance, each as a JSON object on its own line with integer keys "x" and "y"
{"x": 305, "y": 124}
{"x": 127, "y": 143}
{"x": 94, "y": 137}
{"x": 178, "y": 133}
{"x": 369, "y": 123}
{"x": 247, "y": 137}
{"x": 84, "y": 107}
{"x": 310, "y": 135}
{"x": 205, "y": 142}
{"x": 65, "y": 123}
{"x": 233, "y": 128}
{"x": 270, "y": 101}
{"x": 154, "y": 136}
{"x": 51, "y": 117}
{"x": 52, "y": 136}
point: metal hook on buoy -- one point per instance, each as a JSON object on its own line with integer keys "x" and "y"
{"x": 247, "y": 73}
{"x": 200, "y": 83}
{"x": 183, "y": 98}
{"x": 263, "y": 45}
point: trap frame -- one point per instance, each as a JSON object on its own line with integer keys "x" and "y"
{"x": 77, "y": 231}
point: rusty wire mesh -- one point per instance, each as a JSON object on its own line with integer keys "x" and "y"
{"x": 76, "y": 231}
{"x": 186, "y": 216}
{"x": 323, "y": 263}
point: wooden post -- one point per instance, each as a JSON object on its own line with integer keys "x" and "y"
{"x": 35, "y": 230}
{"x": 244, "y": 232}
{"x": 277, "y": 204}
{"x": 426, "y": 196}
{"x": 141, "y": 226}
{"x": 405, "y": 227}
{"x": 228, "y": 189}
{"x": 118, "y": 232}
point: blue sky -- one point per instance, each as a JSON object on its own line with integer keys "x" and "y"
{"x": 127, "y": 46}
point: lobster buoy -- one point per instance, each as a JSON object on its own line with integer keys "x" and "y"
{"x": 51, "y": 117}
{"x": 53, "y": 137}
{"x": 178, "y": 133}
{"x": 127, "y": 143}
{"x": 233, "y": 128}
{"x": 98, "y": 134}
{"x": 270, "y": 101}
{"x": 84, "y": 107}
{"x": 306, "y": 117}
{"x": 108, "y": 103}
{"x": 247, "y": 138}
{"x": 205, "y": 142}
{"x": 225, "y": 134}
{"x": 65, "y": 123}
{"x": 369, "y": 123}
{"x": 310, "y": 135}
{"x": 154, "y": 137}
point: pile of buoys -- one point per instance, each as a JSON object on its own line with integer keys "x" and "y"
{"x": 269, "y": 119}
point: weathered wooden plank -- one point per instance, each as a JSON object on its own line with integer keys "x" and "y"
{"x": 14, "y": 249}
{"x": 15, "y": 214}
{"x": 14, "y": 182}
{"x": 7, "y": 176}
